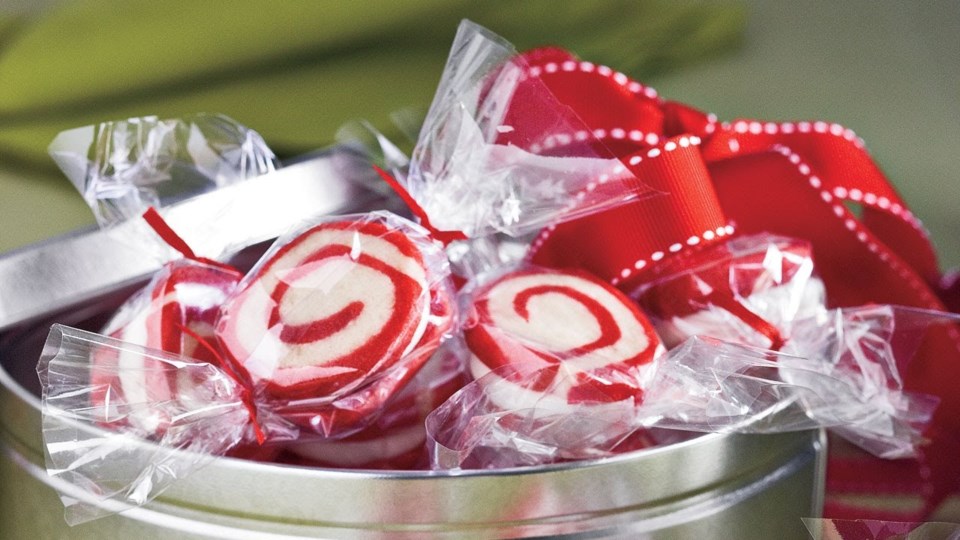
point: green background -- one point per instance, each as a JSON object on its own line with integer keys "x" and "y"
{"x": 295, "y": 71}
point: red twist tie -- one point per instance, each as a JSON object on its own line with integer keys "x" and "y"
{"x": 446, "y": 237}
{"x": 727, "y": 301}
{"x": 172, "y": 239}
{"x": 245, "y": 393}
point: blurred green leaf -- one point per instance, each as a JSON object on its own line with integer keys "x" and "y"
{"x": 296, "y": 71}
{"x": 10, "y": 24}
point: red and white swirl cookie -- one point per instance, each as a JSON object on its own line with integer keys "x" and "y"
{"x": 397, "y": 440}
{"x": 585, "y": 342}
{"x": 181, "y": 302}
{"x": 338, "y": 305}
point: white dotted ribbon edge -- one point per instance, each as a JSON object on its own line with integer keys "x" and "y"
{"x": 851, "y": 224}
{"x": 635, "y": 87}
{"x": 788, "y": 128}
{"x": 741, "y": 126}
{"x": 675, "y": 247}
{"x": 563, "y": 139}
{"x": 572, "y": 66}
{"x": 653, "y": 153}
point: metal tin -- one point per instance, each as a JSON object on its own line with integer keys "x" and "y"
{"x": 712, "y": 486}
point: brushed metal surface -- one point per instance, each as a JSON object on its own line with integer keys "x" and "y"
{"x": 767, "y": 503}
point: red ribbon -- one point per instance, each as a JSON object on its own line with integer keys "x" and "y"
{"x": 172, "y": 239}
{"x": 797, "y": 179}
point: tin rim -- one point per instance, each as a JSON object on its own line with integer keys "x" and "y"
{"x": 660, "y": 486}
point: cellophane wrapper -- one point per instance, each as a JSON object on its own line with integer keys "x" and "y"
{"x": 176, "y": 311}
{"x": 123, "y": 421}
{"x": 115, "y": 435}
{"x": 559, "y": 342}
{"x": 773, "y": 277}
{"x": 397, "y": 439}
{"x": 124, "y": 167}
{"x": 473, "y": 430}
{"x": 472, "y": 172}
{"x": 869, "y": 529}
{"x": 839, "y": 370}
{"x": 337, "y": 317}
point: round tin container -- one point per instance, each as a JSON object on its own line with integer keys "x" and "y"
{"x": 724, "y": 486}
{"x": 712, "y": 486}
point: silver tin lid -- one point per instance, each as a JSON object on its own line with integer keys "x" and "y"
{"x": 79, "y": 267}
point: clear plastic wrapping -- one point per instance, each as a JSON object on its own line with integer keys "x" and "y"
{"x": 177, "y": 310}
{"x": 472, "y": 172}
{"x": 123, "y": 167}
{"x": 840, "y": 370}
{"x": 117, "y": 434}
{"x": 397, "y": 440}
{"x": 867, "y": 350}
{"x": 337, "y": 317}
{"x": 317, "y": 342}
{"x": 559, "y": 353}
{"x": 869, "y": 529}
{"x": 564, "y": 321}
{"x": 746, "y": 290}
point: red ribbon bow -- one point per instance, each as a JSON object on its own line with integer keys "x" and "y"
{"x": 810, "y": 180}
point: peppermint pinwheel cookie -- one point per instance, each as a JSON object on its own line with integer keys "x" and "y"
{"x": 176, "y": 313}
{"x": 397, "y": 440}
{"x": 349, "y": 308}
{"x": 557, "y": 340}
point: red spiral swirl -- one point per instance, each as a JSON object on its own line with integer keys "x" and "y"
{"x": 181, "y": 302}
{"x": 559, "y": 338}
{"x": 338, "y": 304}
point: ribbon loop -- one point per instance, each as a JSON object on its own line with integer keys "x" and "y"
{"x": 685, "y": 215}
{"x": 797, "y": 179}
